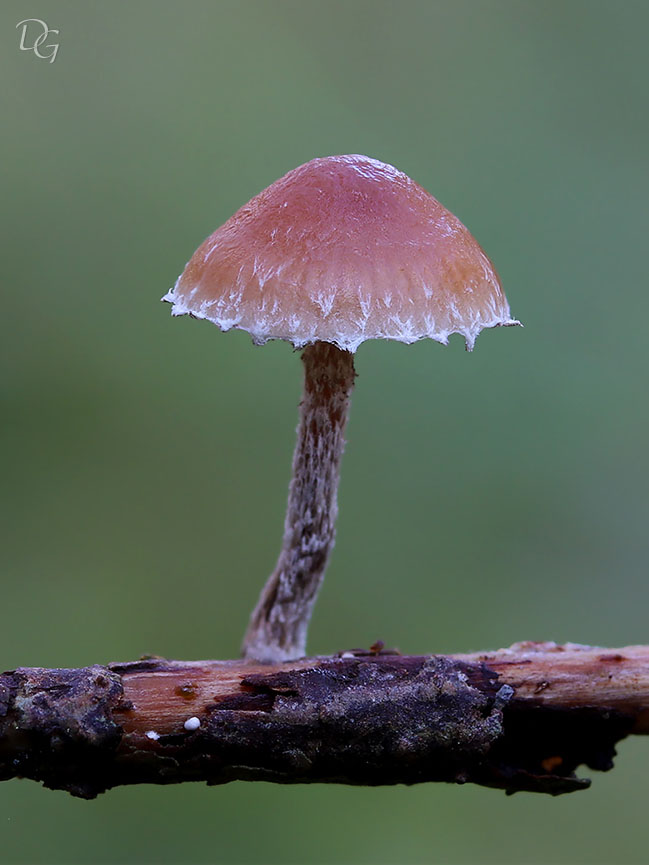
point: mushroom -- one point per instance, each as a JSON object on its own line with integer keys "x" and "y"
{"x": 338, "y": 251}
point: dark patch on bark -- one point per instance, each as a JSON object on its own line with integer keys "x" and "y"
{"x": 363, "y": 721}
{"x": 248, "y": 701}
{"x": 542, "y": 746}
{"x": 144, "y": 665}
{"x": 56, "y": 726}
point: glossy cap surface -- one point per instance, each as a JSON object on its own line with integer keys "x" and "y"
{"x": 343, "y": 249}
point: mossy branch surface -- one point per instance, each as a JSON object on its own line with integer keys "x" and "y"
{"x": 522, "y": 718}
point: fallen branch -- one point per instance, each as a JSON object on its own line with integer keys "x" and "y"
{"x": 521, "y": 718}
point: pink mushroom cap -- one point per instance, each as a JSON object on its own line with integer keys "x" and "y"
{"x": 341, "y": 250}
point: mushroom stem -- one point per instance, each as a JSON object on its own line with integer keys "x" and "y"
{"x": 278, "y": 625}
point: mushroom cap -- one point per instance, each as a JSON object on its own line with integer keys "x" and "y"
{"x": 343, "y": 249}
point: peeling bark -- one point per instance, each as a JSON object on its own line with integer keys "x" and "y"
{"x": 522, "y": 718}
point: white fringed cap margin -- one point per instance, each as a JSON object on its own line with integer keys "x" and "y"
{"x": 343, "y": 249}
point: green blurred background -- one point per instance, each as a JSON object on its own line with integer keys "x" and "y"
{"x": 485, "y": 498}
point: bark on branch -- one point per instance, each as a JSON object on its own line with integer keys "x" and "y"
{"x": 522, "y": 718}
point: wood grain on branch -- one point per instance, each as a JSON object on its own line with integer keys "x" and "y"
{"x": 522, "y": 718}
